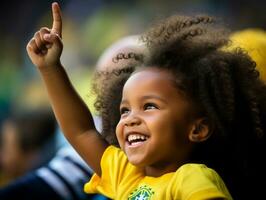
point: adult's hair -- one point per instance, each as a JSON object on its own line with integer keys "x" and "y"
{"x": 34, "y": 128}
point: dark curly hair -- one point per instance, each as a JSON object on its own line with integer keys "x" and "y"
{"x": 224, "y": 85}
{"x": 34, "y": 128}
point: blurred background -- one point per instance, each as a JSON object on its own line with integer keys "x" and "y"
{"x": 89, "y": 26}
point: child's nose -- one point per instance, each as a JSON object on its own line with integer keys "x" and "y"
{"x": 132, "y": 120}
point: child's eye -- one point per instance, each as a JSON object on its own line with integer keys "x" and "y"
{"x": 124, "y": 110}
{"x": 149, "y": 106}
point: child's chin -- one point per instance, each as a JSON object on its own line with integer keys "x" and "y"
{"x": 136, "y": 162}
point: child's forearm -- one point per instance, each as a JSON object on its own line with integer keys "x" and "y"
{"x": 71, "y": 112}
{"x": 73, "y": 116}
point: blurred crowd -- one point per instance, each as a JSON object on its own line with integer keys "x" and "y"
{"x": 98, "y": 23}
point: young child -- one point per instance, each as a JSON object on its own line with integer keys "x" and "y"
{"x": 189, "y": 105}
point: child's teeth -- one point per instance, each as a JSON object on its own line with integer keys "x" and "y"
{"x": 132, "y": 138}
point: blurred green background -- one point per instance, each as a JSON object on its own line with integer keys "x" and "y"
{"x": 89, "y": 26}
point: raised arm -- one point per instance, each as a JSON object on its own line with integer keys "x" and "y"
{"x": 74, "y": 118}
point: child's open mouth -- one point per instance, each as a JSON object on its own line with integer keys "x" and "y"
{"x": 135, "y": 139}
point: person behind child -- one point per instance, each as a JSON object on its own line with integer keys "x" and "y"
{"x": 110, "y": 61}
{"x": 27, "y": 141}
{"x": 253, "y": 40}
{"x": 189, "y": 106}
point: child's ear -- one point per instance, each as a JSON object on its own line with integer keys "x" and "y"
{"x": 200, "y": 131}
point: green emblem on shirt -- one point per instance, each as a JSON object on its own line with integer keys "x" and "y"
{"x": 142, "y": 193}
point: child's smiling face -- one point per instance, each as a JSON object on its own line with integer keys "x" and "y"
{"x": 155, "y": 121}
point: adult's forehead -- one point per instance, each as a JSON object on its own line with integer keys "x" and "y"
{"x": 125, "y": 45}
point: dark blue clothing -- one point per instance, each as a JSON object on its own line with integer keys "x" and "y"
{"x": 62, "y": 179}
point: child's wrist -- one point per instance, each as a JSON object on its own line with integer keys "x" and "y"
{"x": 50, "y": 69}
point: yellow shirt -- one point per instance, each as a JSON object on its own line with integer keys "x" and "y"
{"x": 122, "y": 180}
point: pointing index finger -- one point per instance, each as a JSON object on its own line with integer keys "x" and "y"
{"x": 57, "y": 19}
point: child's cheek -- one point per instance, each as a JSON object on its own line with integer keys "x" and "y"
{"x": 119, "y": 133}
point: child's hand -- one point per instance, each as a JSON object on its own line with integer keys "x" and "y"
{"x": 45, "y": 48}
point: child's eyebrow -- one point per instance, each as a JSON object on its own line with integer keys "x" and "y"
{"x": 153, "y": 96}
{"x": 146, "y": 97}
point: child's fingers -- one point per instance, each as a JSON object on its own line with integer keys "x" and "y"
{"x": 32, "y": 46}
{"x": 39, "y": 42}
{"x": 44, "y": 31}
{"x": 57, "y": 20}
{"x": 53, "y": 39}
